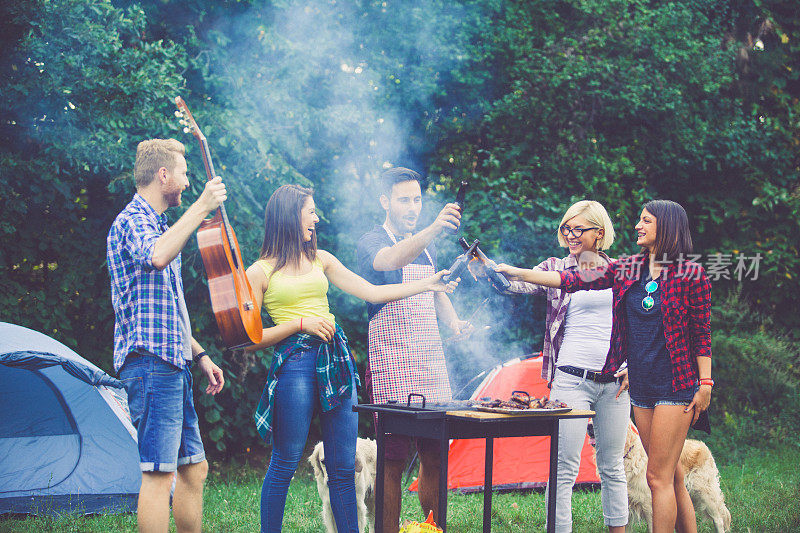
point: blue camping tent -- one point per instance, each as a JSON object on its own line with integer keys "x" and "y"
{"x": 66, "y": 440}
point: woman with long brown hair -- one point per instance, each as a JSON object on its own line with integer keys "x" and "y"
{"x": 662, "y": 326}
{"x": 312, "y": 369}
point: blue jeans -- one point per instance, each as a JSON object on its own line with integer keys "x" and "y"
{"x": 162, "y": 411}
{"x": 296, "y": 400}
{"x": 610, "y": 427}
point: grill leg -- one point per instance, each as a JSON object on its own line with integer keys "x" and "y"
{"x": 553, "y": 478}
{"x": 379, "y": 474}
{"x": 444, "y": 447}
{"x": 487, "y": 486}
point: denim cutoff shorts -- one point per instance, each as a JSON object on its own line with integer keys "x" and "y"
{"x": 650, "y": 397}
{"x": 162, "y": 411}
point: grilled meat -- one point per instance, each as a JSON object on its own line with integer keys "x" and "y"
{"x": 521, "y": 402}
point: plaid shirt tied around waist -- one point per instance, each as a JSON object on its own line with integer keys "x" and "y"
{"x": 685, "y": 306}
{"x": 334, "y": 378}
{"x": 145, "y": 299}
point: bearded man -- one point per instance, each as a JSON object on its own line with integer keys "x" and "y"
{"x": 154, "y": 350}
{"x": 405, "y": 349}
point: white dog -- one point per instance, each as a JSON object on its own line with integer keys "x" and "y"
{"x": 366, "y": 459}
{"x": 700, "y": 476}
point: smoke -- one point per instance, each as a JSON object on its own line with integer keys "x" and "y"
{"x": 338, "y": 88}
{"x": 333, "y": 93}
{"x": 496, "y": 333}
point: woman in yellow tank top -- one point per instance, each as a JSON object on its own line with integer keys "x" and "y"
{"x": 312, "y": 369}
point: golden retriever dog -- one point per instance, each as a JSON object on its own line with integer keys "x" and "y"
{"x": 701, "y": 479}
{"x": 366, "y": 460}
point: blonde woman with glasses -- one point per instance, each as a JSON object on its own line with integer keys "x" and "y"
{"x": 576, "y": 345}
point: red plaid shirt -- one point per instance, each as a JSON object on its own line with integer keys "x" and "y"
{"x": 685, "y": 306}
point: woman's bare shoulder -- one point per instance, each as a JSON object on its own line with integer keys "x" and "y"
{"x": 325, "y": 258}
{"x": 324, "y": 255}
{"x": 260, "y": 270}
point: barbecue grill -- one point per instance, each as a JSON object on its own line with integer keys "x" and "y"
{"x": 456, "y": 419}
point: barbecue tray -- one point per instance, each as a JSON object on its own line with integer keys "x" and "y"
{"x": 508, "y": 411}
{"x": 424, "y": 408}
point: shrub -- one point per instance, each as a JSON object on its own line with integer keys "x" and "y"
{"x": 755, "y": 368}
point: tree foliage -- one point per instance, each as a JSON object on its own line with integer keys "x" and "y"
{"x": 628, "y": 101}
{"x": 82, "y": 86}
{"x": 536, "y": 103}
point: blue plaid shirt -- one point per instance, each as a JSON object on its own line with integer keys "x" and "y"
{"x": 145, "y": 299}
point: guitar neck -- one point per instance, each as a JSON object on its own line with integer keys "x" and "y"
{"x": 221, "y": 210}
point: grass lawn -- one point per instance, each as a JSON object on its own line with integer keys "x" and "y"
{"x": 762, "y": 490}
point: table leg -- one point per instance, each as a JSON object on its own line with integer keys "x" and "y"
{"x": 444, "y": 448}
{"x": 487, "y": 485}
{"x": 553, "y": 478}
{"x": 379, "y": 474}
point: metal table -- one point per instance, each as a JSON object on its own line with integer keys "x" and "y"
{"x": 465, "y": 424}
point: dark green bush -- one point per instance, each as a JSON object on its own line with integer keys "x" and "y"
{"x": 757, "y": 380}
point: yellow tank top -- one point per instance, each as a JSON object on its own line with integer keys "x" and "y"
{"x": 292, "y": 297}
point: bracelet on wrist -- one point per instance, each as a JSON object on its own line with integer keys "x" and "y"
{"x": 199, "y": 355}
{"x": 707, "y": 381}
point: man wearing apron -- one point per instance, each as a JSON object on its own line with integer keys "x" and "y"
{"x": 405, "y": 349}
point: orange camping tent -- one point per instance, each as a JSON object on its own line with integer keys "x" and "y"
{"x": 519, "y": 462}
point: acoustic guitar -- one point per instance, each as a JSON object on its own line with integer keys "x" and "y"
{"x": 232, "y": 301}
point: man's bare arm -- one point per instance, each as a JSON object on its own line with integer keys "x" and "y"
{"x": 170, "y": 244}
{"x": 405, "y": 251}
{"x": 446, "y": 312}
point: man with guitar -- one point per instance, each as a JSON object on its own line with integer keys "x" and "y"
{"x": 405, "y": 349}
{"x": 153, "y": 346}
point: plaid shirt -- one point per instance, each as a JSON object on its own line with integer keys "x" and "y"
{"x": 685, "y": 306}
{"x": 145, "y": 299}
{"x": 334, "y": 378}
{"x": 557, "y": 303}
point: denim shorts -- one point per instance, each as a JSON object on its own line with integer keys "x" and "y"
{"x": 650, "y": 401}
{"x": 162, "y": 411}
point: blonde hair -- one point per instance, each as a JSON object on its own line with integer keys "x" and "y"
{"x": 596, "y": 215}
{"x": 154, "y": 154}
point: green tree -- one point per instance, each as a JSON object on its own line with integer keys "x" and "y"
{"x": 623, "y": 102}
{"x": 81, "y": 88}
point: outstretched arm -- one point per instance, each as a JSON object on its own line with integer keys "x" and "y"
{"x": 353, "y": 284}
{"x": 537, "y": 277}
{"x": 523, "y": 287}
{"x": 571, "y": 280}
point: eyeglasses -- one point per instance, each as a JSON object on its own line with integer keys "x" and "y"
{"x": 649, "y": 302}
{"x": 576, "y": 232}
